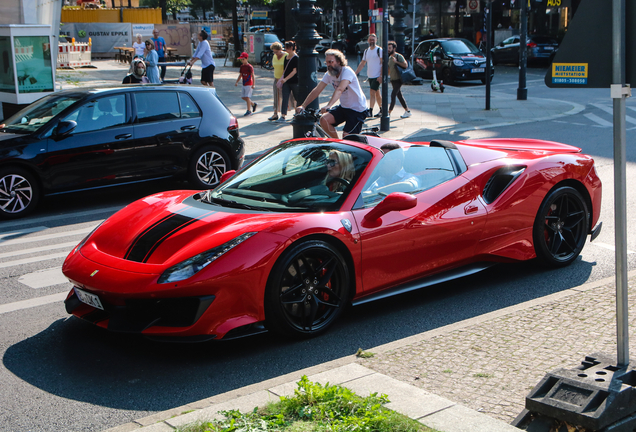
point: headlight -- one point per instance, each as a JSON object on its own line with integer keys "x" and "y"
{"x": 458, "y": 62}
{"x": 190, "y": 267}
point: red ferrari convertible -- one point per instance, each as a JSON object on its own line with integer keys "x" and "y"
{"x": 313, "y": 225}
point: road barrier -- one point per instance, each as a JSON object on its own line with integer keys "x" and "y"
{"x": 72, "y": 55}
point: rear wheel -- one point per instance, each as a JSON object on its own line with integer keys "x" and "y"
{"x": 19, "y": 193}
{"x": 207, "y": 166}
{"x": 307, "y": 290}
{"x": 560, "y": 227}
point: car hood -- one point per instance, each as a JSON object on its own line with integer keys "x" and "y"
{"x": 170, "y": 227}
{"x": 6, "y": 136}
{"x": 469, "y": 57}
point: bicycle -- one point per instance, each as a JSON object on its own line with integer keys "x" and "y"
{"x": 318, "y": 132}
{"x": 267, "y": 60}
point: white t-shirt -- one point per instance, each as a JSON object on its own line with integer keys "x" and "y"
{"x": 374, "y": 65}
{"x": 139, "y": 48}
{"x": 352, "y": 97}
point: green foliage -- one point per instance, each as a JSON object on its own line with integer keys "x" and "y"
{"x": 316, "y": 408}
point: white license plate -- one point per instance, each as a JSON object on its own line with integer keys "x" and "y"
{"x": 477, "y": 70}
{"x": 88, "y": 298}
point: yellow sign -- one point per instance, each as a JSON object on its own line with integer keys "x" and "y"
{"x": 569, "y": 73}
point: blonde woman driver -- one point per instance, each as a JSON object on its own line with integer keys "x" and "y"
{"x": 339, "y": 167}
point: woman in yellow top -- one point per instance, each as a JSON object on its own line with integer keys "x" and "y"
{"x": 279, "y": 66}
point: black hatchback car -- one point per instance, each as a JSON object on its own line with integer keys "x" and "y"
{"x": 93, "y": 138}
{"x": 456, "y": 59}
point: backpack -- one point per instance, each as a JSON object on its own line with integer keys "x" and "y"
{"x": 377, "y": 51}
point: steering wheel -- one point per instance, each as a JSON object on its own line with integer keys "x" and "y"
{"x": 339, "y": 180}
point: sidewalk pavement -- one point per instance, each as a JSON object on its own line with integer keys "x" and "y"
{"x": 471, "y": 376}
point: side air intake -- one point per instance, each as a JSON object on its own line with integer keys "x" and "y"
{"x": 500, "y": 181}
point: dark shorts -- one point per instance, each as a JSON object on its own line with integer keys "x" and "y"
{"x": 207, "y": 74}
{"x": 374, "y": 84}
{"x": 354, "y": 119}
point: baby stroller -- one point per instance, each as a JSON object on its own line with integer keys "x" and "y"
{"x": 186, "y": 76}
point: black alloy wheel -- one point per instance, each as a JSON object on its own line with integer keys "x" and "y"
{"x": 483, "y": 80}
{"x": 308, "y": 290}
{"x": 561, "y": 227}
{"x": 19, "y": 193}
{"x": 207, "y": 166}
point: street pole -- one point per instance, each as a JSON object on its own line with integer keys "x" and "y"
{"x": 385, "y": 120}
{"x": 488, "y": 12}
{"x": 398, "y": 15}
{"x": 307, "y": 16}
{"x": 413, "y": 35}
{"x": 619, "y": 94}
{"x": 522, "y": 91}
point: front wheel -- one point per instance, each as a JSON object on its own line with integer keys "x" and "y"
{"x": 307, "y": 290}
{"x": 483, "y": 80}
{"x": 447, "y": 76}
{"x": 207, "y": 166}
{"x": 19, "y": 193}
{"x": 560, "y": 227}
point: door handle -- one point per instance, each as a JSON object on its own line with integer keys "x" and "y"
{"x": 188, "y": 128}
{"x": 470, "y": 209}
{"x": 123, "y": 136}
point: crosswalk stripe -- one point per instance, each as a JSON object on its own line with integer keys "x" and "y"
{"x": 44, "y": 278}
{"x": 32, "y": 260}
{"x": 69, "y": 245}
{"x": 47, "y": 236}
{"x": 39, "y": 301}
{"x": 611, "y": 111}
{"x": 597, "y": 119}
{"x": 67, "y": 216}
{"x": 22, "y": 232}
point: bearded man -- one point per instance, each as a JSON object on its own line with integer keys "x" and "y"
{"x": 353, "y": 103}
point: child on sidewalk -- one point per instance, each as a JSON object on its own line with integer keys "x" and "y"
{"x": 249, "y": 81}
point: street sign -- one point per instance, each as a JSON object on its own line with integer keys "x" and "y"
{"x": 584, "y": 59}
{"x": 473, "y": 6}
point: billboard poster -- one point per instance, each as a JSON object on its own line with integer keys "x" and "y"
{"x": 104, "y": 36}
{"x": 145, "y": 30}
{"x": 33, "y": 64}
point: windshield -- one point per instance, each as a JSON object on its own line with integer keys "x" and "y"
{"x": 459, "y": 47}
{"x": 38, "y": 114}
{"x": 301, "y": 176}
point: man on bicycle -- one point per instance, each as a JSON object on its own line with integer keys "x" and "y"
{"x": 353, "y": 103}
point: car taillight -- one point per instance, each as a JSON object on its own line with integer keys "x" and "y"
{"x": 531, "y": 45}
{"x": 233, "y": 124}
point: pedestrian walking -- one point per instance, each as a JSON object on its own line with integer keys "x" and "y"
{"x": 278, "y": 61}
{"x": 246, "y": 73}
{"x": 151, "y": 57}
{"x": 396, "y": 59}
{"x": 137, "y": 74}
{"x": 139, "y": 46}
{"x": 160, "y": 47}
{"x": 372, "y": 58}
{"x": 353, "y": 104}
{"x": 204, "y": 53}
{"x": 290, "y": 78}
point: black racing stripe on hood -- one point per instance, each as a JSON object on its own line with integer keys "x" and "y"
{"x": 152, "y": 237}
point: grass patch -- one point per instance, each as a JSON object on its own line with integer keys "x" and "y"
{"x": 483, "y": 375}
{"x": 315, "y": 408}
{"x": 364, "y": 354}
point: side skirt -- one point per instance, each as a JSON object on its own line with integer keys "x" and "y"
{"x": 424, "y": 282}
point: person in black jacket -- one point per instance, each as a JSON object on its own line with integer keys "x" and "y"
{"x": 137, "y": 74}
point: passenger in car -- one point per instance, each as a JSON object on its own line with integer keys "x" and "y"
{"x": 391, "y": 171}
{"x": 339, "y": 166}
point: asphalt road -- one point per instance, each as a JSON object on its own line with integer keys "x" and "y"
{"x": 58, "y": 373}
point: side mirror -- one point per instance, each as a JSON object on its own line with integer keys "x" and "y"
{"x": 396, "y": 201}
{"x": 65, "y": 127}
{"x": 226, "y": 175}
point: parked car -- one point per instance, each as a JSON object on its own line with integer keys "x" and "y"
{"x": 270, "y": 38}
{"x": 357, "y": 32}
{"x": 457, "y": 60}
{"x": 313, "y": 225}
{"x": 326, "y": 43}
{"x": 92, "y": 138}
{"x": 539, "y": 48}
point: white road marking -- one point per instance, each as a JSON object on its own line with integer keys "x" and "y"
{"x": 47, "y": 236}
{"x": 601, "y": 122}
{"x": 611, "y": 111}
{"x": 69, "y": 245}
{"x": 44, "y": 278}
{"x": 67, "y": 216}
{"x": 33, "y": 260}
{"x": 608, "y": 246}
{"x": 39, "y": 301}
{"x": 22, "y": 232}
